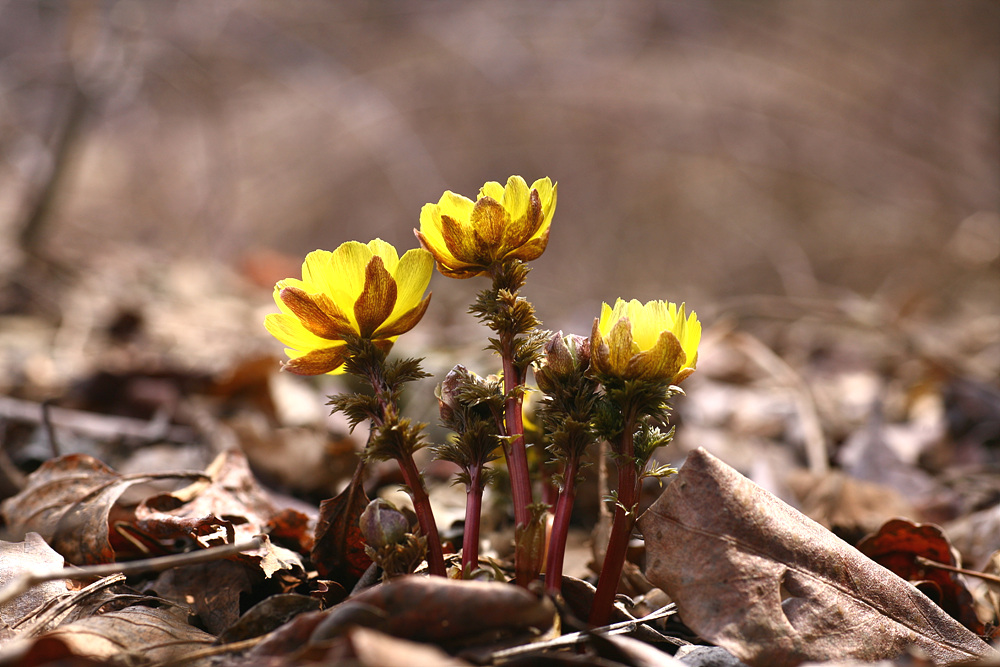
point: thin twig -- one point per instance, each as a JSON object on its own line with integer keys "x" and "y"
{"x": 93, "y": 424}
{"x": 50, "y": 431}
{"x": 574, "y": 638}
{"x": 24, "y": 583}
{"x": 927, "y": 562}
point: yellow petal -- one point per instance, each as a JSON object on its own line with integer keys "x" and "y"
{"x": 387, "y": 252}
{"x": 413, "y": 275}
{"x": 660, "y": 362}
{"x": 290, "y": 332}
{"x": 648, "y": 321}
{"x": 315, "y": 271}
{"x": 516, "y": 198}
{"x": 524, "y": 225}
{"x": 345, "y": 279}
{"x": 430, "y": 234}
{"x": 493, "y": 190}
{"x": 605, "y": 319}
{"x": 456, "y": 206}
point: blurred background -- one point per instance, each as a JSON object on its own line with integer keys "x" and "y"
{"x": 705, "y": 151}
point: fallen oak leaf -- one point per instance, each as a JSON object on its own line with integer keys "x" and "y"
{"x": 725, "y": 550}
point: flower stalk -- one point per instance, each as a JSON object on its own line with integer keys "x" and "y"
{"x": 472, "y": 407}
{"x": 639, "y": 353}
{"x": 566, "y": 411}
{"x": 391, "y": 436}
{"x": 496, "y": 235}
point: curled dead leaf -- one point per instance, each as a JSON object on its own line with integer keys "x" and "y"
{"x": 775, "y": 588}
{"x": 897, "y": 546}
{"x": 437, "y": 609}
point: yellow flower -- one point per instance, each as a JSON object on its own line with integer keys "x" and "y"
{"x": 359, "y": 289}
{"x": 467, "y": 238}
{"x": 652, "y": 341}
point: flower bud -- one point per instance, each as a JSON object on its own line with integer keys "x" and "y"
{"x": 447, "y": 390}
{"x": 564, "y": 356}
{"x": 383, "y": 525}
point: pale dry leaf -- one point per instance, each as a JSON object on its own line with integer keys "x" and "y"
{"x": 18, "y": 559}
{"x": 134, "y": 635}
{"x": 371, "y": 648}
{"x": 775, "y": 588}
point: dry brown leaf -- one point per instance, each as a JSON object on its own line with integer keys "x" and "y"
{"x": 17, "y": 559}
{"x": 775, "y": 588}
{"x": 211, "y": 590}
{"x": 899, "y": 544}
{"x": 369, "y": 648}
{"x": 339, "y": 548}
{"x": 432, "y": 609}
{"x": 134, "y": 635}
{"x": 229, "y": 497}
{"x": 69, "y": 502}
{"x": 229, "y": 491}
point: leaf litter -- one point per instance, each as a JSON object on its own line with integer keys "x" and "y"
{"x": 771, "y": 587}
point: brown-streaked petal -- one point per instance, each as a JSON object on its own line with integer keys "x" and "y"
{"x": 521, "y": 230}
{"x": 441, "y": 255}
{"x": 488, "y": 222}
{"x": 531, "y": 250}
{"x": 682, "y": 374}
{"x": 334, "y": 312}
{"x": 461, "y": 274}
{"x": 377, "y": 299}
{"x": 620, "y": 344}
{"x": 448, "y": 265}
{"x": 312, "y": 316}
{"x": 660, "y": 362}
{"x": 599, "y": 352}
{"x": 404, "y": 322}
{"x": 318, "y": 362}
{"x": 457, "y": 239}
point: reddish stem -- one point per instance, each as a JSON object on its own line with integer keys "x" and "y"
{"x": 621, "y": 529}
{"x": 473, "y": 509}
{"x": 516, "y": 453}
{"x": 422, "y": 508}
{"x": 517, "y": 459}
{"x": 560, "y": 528}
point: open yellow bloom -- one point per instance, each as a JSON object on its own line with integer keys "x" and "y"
{"x": 359, "y": 289}
{"x": 468, "y": 237}
{"x": 652, "y": 341}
